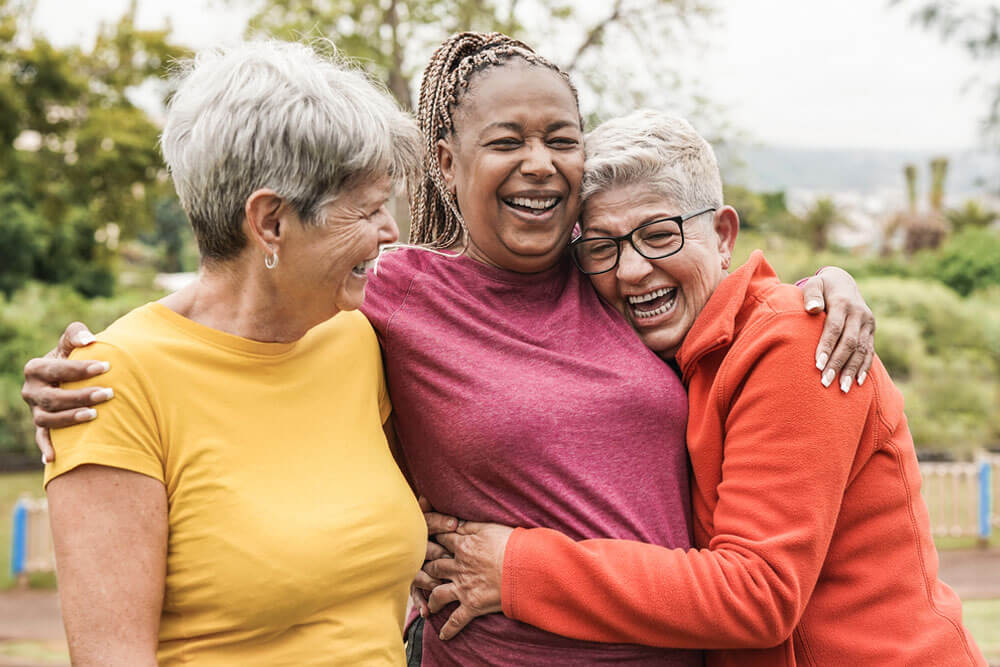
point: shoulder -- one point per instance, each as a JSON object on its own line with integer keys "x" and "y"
{"x": 129, "y": 339}
{"x": 394, "y": 279}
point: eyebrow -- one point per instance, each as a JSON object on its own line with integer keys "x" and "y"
{"x": 517, "y": 127}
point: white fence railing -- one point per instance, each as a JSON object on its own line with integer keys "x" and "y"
{"x": 962, "y": 498}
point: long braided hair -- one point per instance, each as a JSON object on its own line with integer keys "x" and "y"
{"x": 435, "y": 220}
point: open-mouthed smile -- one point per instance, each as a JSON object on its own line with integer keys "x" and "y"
{"x": 651, "y": 304}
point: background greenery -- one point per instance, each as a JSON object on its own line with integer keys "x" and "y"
{"x": 88, "y": 216}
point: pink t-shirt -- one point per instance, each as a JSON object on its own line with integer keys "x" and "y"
{"x": 526, "y": 400}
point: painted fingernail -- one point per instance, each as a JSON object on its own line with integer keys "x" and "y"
{"x": 861, "y": 377}
{"x": 85, "y": 415}
{"x": 814, "y": 304}
{"x": 845, "y": 383}
{"x": 828, "y": 376}
{"x": 452, "y": 524}
{"x": 99, "y": 367}
{"x": 44, "y": 460}
{"x": 821, "y": 360}
{"x": 105, "y": 394}
{"x": 84, "y": 338}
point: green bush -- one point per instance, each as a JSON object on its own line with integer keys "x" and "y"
{"x": 30, "y": 324}
{"x": 899, "y": 346}
{"x": 969, "y": 261}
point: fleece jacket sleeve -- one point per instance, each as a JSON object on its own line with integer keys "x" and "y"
{"x": 789, "y": 448}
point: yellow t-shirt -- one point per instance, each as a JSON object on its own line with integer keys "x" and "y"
{"x": 293, "y": 537}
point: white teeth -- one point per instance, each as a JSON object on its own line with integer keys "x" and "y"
{"x": 640, "y": 314}
{"x": 540, "y": 204}
{"x": 642, "y": 298}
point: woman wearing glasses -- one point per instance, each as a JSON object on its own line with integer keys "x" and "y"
{"x": 813, "y": 543}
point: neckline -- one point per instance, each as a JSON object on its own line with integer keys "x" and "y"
{"x": 221, "y": 339}
{"x": 541, "y": 278}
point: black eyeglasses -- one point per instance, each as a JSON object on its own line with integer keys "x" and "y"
{"x": 655, "y": 239}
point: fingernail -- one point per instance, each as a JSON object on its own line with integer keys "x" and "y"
{"x": 861, "y": 377}
{"x": 821, "y": 360}
{"x": 98, "y": 367}
{"x": 423, "y": 613}
{"x": 85, "y": 415}
{"x": 44, "y": 460}
{"x": 105, "y": 394}
{"x": 813, "y": 304}
{"x": 85, "y": 338}
{"x": 828, "y": 377}
{"x": 452, "y": 524}
{"x": 845, "y": 383}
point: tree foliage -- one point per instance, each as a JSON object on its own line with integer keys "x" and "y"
{"x": 615, "y": 51}
{"x": 79, "y": 160}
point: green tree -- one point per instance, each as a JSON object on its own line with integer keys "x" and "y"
{"x": 972, "y": 214}
{"x": 393, "y": 38}
{"x": 818, "y": 222}
{"x": 81, "y": 157}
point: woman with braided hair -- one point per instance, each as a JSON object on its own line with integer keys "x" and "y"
{"x": 519, "y": 396}
{"x": 517, "y": 392}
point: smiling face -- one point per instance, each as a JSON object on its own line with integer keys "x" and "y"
{"x": 661, "y": 298}
{"x": 330, "y": 261}
{"x": 515, "y": 162}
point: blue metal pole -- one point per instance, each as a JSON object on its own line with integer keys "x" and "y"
{"x": 984, "y": 500}
{"x": 19, "y": 542}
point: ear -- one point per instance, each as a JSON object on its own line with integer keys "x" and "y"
{"x": 727, "y": 227}
{"x": 265, "y": 213}
{"x": 446, "y": 159}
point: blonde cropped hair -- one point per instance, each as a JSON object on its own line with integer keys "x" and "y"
{"x": 657, "y": 149}
{"x": 276, "y": 115}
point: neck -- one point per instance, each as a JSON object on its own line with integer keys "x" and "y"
{"x": 238, "y": 298}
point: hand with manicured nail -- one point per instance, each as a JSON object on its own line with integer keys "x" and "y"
{"x": 847, "y": 344}
{"x": 54, "y": 407}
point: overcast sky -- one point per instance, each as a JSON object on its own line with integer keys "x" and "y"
{"x": 801, "y": 73}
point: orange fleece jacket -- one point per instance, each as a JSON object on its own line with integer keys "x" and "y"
{"x": 815, "y": 545}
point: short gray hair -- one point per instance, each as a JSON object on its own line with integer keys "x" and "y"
{"x": 276, "y": 115}
{"x": 652, "y": 148}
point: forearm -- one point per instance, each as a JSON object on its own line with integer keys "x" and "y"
{"x": 109, "y": 529}
{"x": 631, "y": 592}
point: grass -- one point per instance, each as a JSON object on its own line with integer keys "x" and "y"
{"x": 12, "y": 487}
{"x": 37, "y": 652}
{"x": 982, "y": 618}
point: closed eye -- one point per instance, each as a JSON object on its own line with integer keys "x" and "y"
{"x": 506, "y": 143}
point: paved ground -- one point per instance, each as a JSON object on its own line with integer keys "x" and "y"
{"x": 31, "y": 633}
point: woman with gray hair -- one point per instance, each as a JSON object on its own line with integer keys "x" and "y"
{"x": 237, "y": 501}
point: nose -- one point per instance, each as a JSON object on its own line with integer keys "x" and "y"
{"x": 388, "y": 230}
{"x": 538, "y": 161}
{"x": 632, "y": 267}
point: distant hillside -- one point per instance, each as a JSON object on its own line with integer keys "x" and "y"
{"x": 766, "y": 168}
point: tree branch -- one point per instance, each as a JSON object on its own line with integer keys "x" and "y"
{"x": 594, "y": 36}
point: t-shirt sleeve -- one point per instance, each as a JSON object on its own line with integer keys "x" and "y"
{"x": 125, "y": 433}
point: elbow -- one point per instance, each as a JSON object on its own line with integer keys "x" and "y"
{"x": 770, "y": 619}
{"x": 774, "y": 623}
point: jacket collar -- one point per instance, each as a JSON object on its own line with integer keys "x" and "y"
{"x": 715, "y": 326}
